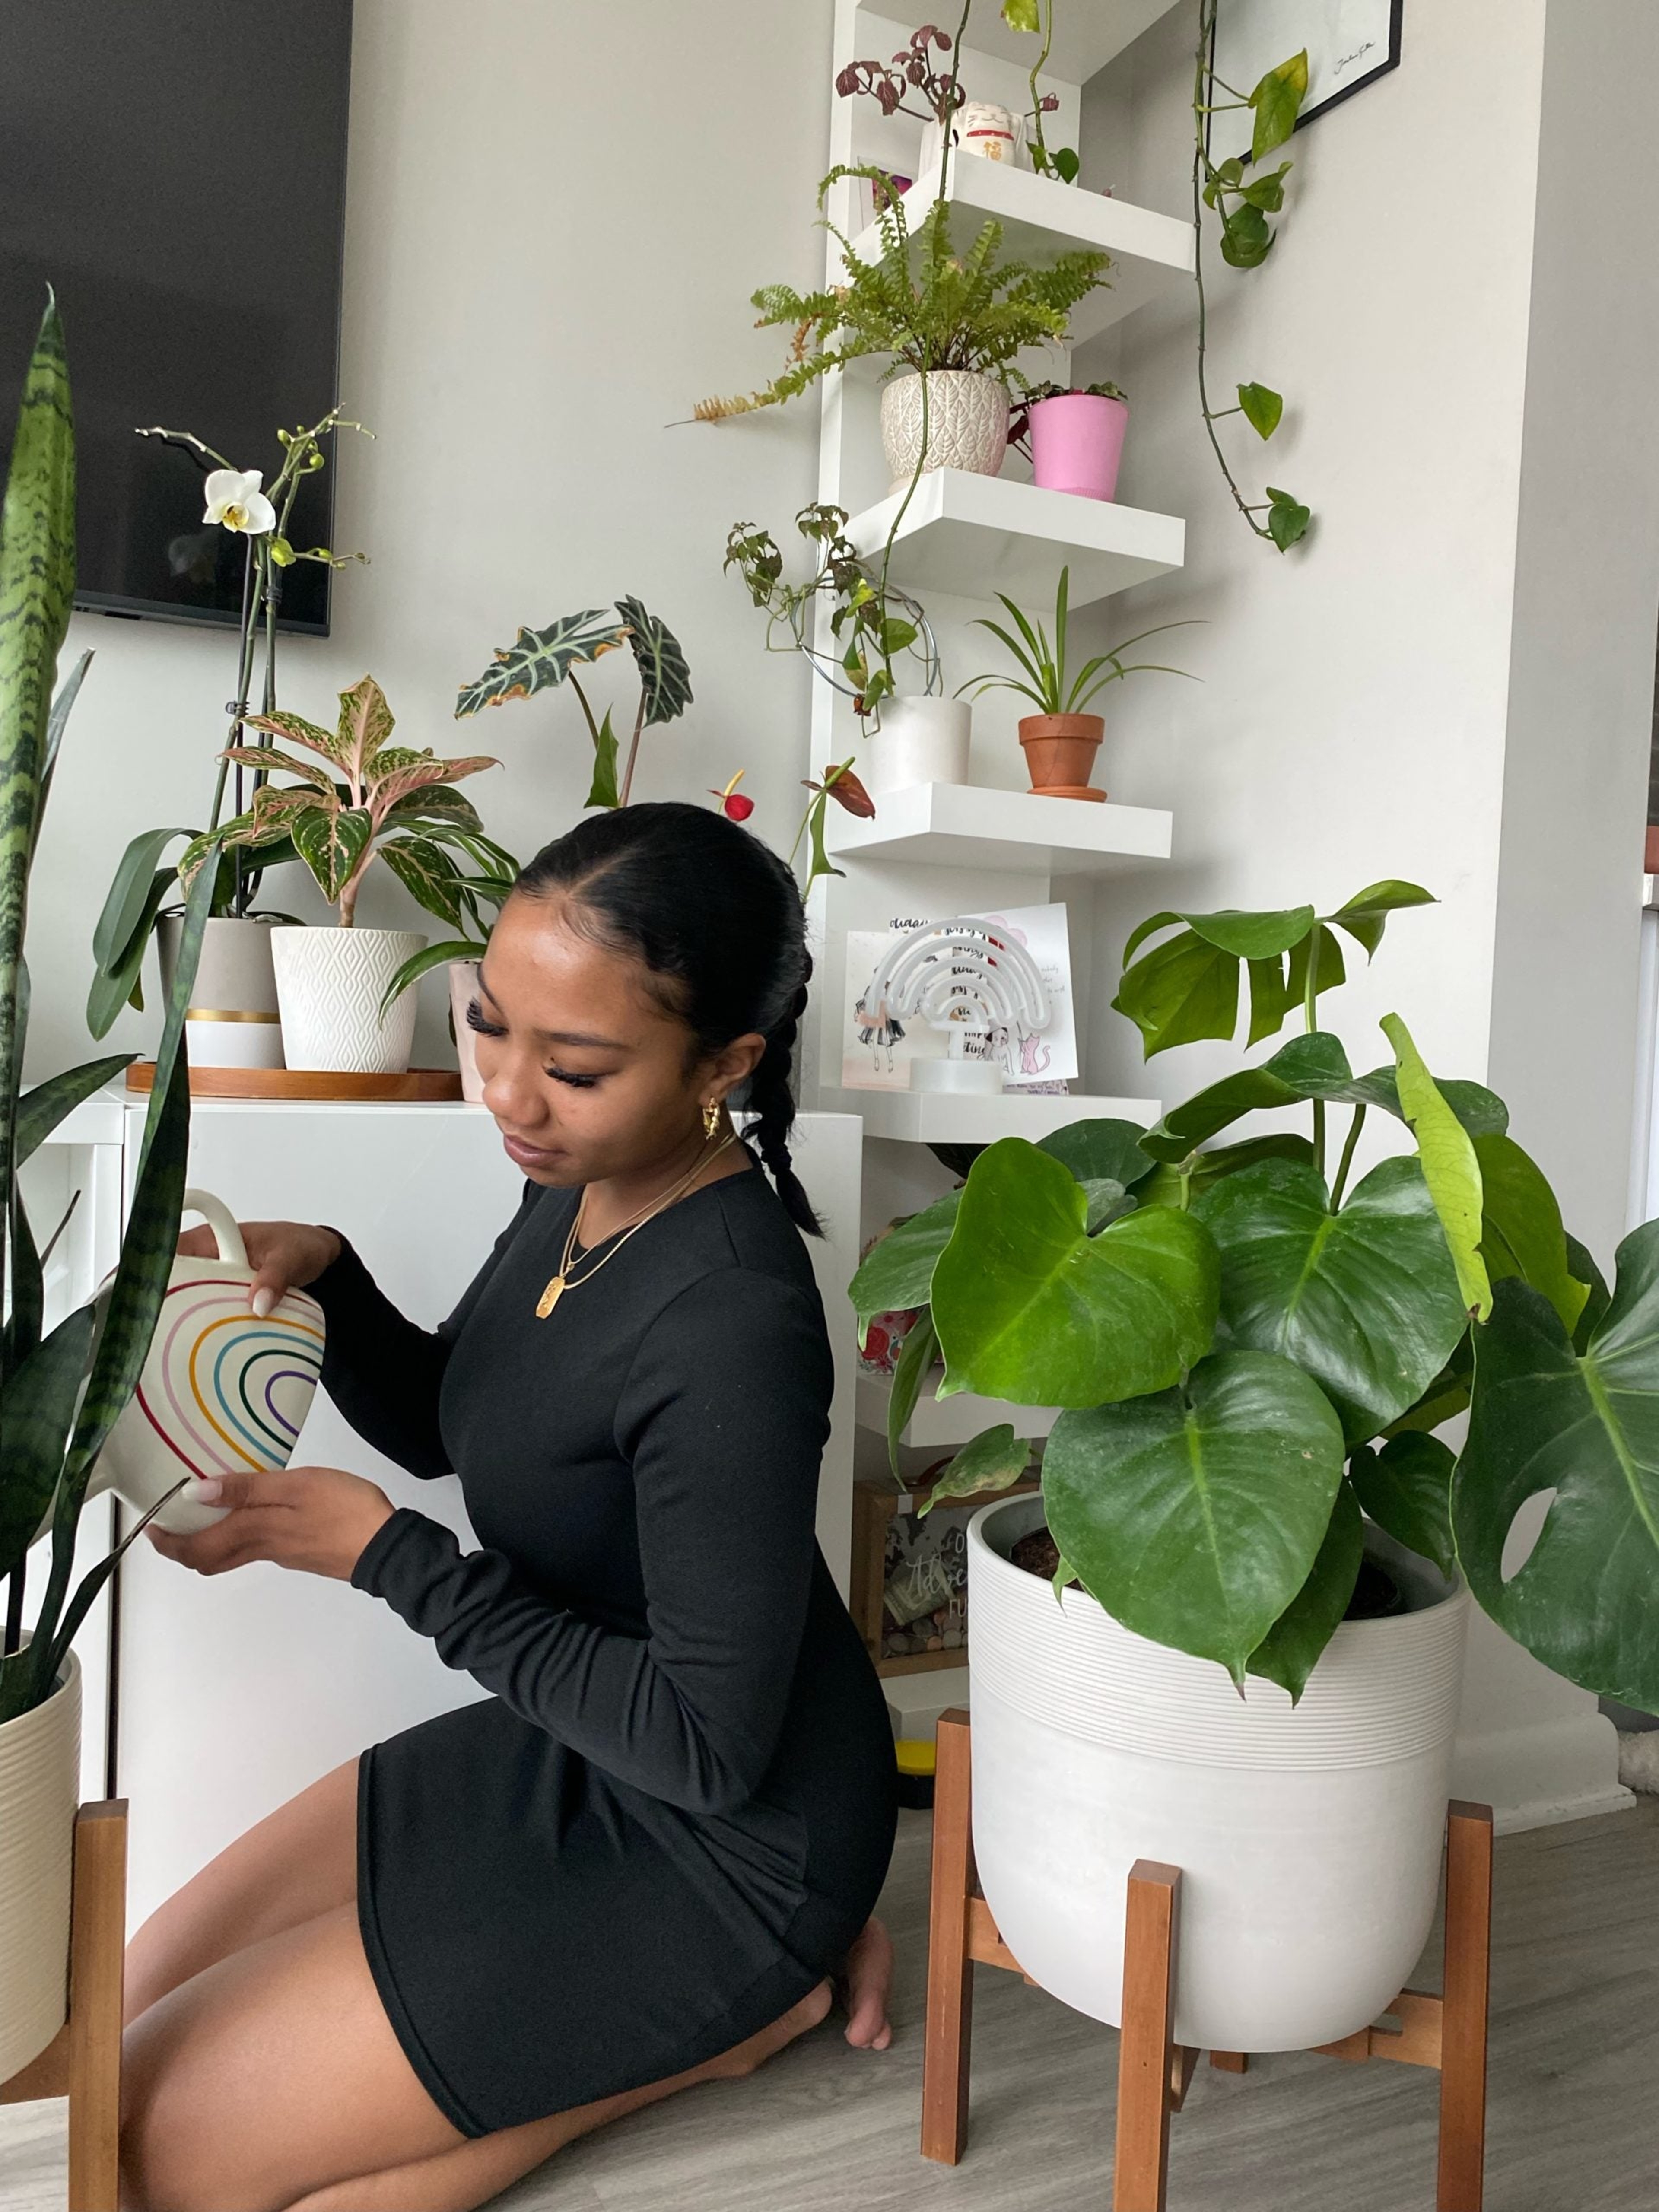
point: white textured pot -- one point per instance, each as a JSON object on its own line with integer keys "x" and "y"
{"x": 329, "y": 983}
{"x": 1309, "y": 1838}
{"x": 920, "y": 741}
{"x": 233, "y": 1019}
{"x": 39, "y": 1790}
{"x": 967, "y": 423}
{"x": 463, "y": 989}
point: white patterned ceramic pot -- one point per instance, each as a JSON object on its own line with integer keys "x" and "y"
{"x": 920, "y": 741}
{"x": 222, "y": 1391}
{"x": 329, "y": 983}
{"x": 967, "y": 423}
{"x": 39, "y": 1791}
{"x": 1309, "y": 1838}
{"x": 463, "y": 989}
{"x": 233, "y": 1019}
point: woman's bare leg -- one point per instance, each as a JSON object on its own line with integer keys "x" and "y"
{"x": 300, "y": 1861}
{"x": 862, "y": 1985}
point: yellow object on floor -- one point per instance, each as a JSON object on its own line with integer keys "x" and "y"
{"x": 915, "y": 1755}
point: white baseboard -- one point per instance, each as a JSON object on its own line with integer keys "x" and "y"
{"x": 1565, "y": 1768}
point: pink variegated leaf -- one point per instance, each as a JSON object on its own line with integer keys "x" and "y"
{"x": 365, "y": 727}
{"x": 298, "y": 732}
{"x": 274, "y": 762}
{"x": 424, "y": 775}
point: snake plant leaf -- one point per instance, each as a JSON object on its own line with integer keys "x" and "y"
{"x": 1585, "y": 1426}
{"x": 915, "y": 1363}
{"x": 1406, "y": 1487}
{"x": 36, "y": 1409}
{"x": 57, "y": 723}
{"x": 1031, "y": 1308}
{"x": 602, "y": 791}
{"x": 1194, "y": 1517}
{"x": 428, "y": 874}
{"x": 994, "y": 1459}
{"x": 1521, "y": 1230}
{"x": 40, "y": 1110}
{"x": 330, "y": 841}
{"x": 897, "y": 1274}
{"x": 665, "y": 679}
{"x": 1289, "y": 1650}
{"x": 1366, "y": 1299}
{"x": 1450, "y": 1165}
{"x": 1100, "y": 1150}
{"x": 538, "y": 659}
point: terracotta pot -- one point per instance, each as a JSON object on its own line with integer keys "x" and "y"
{"x": 1060, "y": 752}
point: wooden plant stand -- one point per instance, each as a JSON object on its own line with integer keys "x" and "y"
{"x": 82, "y": 2061}
{"x": 1447, "y": 2033}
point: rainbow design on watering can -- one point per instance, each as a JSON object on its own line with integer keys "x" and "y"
{"x": 223, "y": 1390}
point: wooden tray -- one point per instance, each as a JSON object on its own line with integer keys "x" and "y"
{"x": 424, "y": 1085}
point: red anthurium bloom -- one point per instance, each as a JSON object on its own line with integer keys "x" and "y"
{"x": 735, "y": 805}
{"x": 844, "y": 787}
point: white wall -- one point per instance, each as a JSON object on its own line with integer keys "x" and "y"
{"x": 552, "y": 232}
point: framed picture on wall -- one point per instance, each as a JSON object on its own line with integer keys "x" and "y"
{"x": 1349, "y": 43}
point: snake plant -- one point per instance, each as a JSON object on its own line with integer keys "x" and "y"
{"x": 63, "y": 1387}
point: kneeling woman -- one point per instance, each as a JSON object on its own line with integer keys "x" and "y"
{"x": 648, "y": 1856}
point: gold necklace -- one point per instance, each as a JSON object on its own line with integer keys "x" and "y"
{"x": 563, "y": 1281}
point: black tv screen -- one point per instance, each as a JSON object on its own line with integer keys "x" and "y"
{"x": 176, "y": 170}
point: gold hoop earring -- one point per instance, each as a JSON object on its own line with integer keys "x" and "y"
{"x": 711, "y": 1119}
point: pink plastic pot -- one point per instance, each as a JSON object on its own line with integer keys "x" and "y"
{"x": 1077, "y": 442}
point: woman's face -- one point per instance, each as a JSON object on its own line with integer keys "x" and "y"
{"x": 587, "y": 1077}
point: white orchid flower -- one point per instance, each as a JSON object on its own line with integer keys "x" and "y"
{"x": 235, "y": 499}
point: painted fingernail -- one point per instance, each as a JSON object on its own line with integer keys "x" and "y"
{"x": 263, "y": 1300}
{"x": 207, "y": 1488}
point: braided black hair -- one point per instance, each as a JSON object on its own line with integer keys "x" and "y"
{"x": 716, "y": 919}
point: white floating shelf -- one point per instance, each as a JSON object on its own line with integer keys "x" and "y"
{"x": 976, "y": 536}
{"x": 1151, "y": 254}
{"x": 966, "y": 1117}
{"x": 949, "y": 1421}
{"x": 1085, "y": 38}
{"x": 963, "y": 825}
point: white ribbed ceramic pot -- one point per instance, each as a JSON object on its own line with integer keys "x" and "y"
{"x": 1308, "y": 1839}
{"x": 39, "y": 1791}
{"x": 967, "y": 423}
{"x": 329, "y": 983}
{"x": 233, "y": 1020}
{"x": 920, "y": 741}
{"x": 463, "y": 989}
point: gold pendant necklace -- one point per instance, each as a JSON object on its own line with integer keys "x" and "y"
{"x": 563, "y": 1281}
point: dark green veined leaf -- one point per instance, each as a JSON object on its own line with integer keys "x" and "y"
{"x": 35, "y": 1412}
{"x": 122, "y": 985}
{"x": 1445, "y": 1398}
{"x": 602, "y": 791}
{"x": 1453, "y": 1173}
{"x": 897, "y": 1273}
{"x": 1520, "y": 1231}
{"x": 422, "y": 963}
{"x": 665, "y": 679}
{"x": 1310, "y": 1066}
{"x": 1106, "y": 1201}
{"x": 1287, "y": 519}
{"x": 994, "y": 1459}
{"x": 428, "y": 874}
{"x": 1195, "y": 1516}
{"x": 1277, "y": 100}
{"x": 331, "y": 844}
{"x": 1586, "y": 1426}
{"x": 539, "y": 657}
{"x": 1366, "y": 1300}
{"x": 40, "y": 1110}
{"x": 1031, "y": 1308}
{"x": 1406, "y": 1487}
{"x": 1289, "y": 1650}
{"x": 1262, "y": 408}
{"x": 916, "y": 1356}
{"x": 1482, "y": 1112}
{"x": 1102, "y": 1150}
{"x": 57, "y": 723}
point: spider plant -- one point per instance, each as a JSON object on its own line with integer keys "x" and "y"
{"x": 1043, "y": 678}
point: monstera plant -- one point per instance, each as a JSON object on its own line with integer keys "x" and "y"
{"x": 539, "y": 659}
{"x": 1253, "y": 1350}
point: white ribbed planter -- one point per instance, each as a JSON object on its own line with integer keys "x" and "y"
{"x": 329, "y": 985}
{"x": 967, "y": 423}
{"x": 1308, "y": 1839}
{"x": 920, "y": 741}
{"x": 39, "y": 1791}
{"x": 233, "y": 1019}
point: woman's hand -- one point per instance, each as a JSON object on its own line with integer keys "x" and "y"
{"x": 314, "y": 1519}
{"x": 285, "y": 1255}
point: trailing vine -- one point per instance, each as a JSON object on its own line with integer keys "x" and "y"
{"x": 1242, "y": 198}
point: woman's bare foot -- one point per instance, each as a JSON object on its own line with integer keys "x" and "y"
{"x": 862, "y": 1986}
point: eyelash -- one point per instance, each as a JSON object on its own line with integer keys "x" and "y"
{"x": 475, "y": 1020}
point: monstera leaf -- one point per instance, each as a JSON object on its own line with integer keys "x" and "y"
{"x": 1450, "y": 1165}
{"x": 1586, "y": 1426}
{"x": 898, "y": 1273}
{"x": 1029, "y": 1307}
{"x": 1521, "y": 1230}
{"x": 1289, "y": 1650}
{"x": 538, "y": 658}
{"x": 1366, "y": 1299}
{"x": 1407, "y": 1489}
{"x": 665, "y": 679}
{"x": 1195, "y": 1516}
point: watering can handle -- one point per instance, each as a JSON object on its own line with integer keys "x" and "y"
{"x": 220, "y": 1220}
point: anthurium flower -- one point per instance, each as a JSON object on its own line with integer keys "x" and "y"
{"x": 235, "y": 500}
{"x": 736, "y": 806}
{"x": 844, "y": 787}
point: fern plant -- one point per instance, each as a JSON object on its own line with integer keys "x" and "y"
{"x": 922, "y": 304}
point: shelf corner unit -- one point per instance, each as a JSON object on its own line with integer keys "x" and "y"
{"x": 978, "y": 826}
{"x": 968, "y": 1117}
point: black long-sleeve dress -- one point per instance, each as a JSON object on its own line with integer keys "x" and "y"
{"x": 676, "y": 1811}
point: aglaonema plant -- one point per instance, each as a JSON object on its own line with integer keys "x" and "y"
{"x": 1253, "y": 1351}
{"x": 62, "y": 1388}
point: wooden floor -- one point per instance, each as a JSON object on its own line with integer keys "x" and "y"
{"x": 1574, "y": 2088}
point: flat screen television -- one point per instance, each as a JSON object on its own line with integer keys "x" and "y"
{"x": 177, "y": 173}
